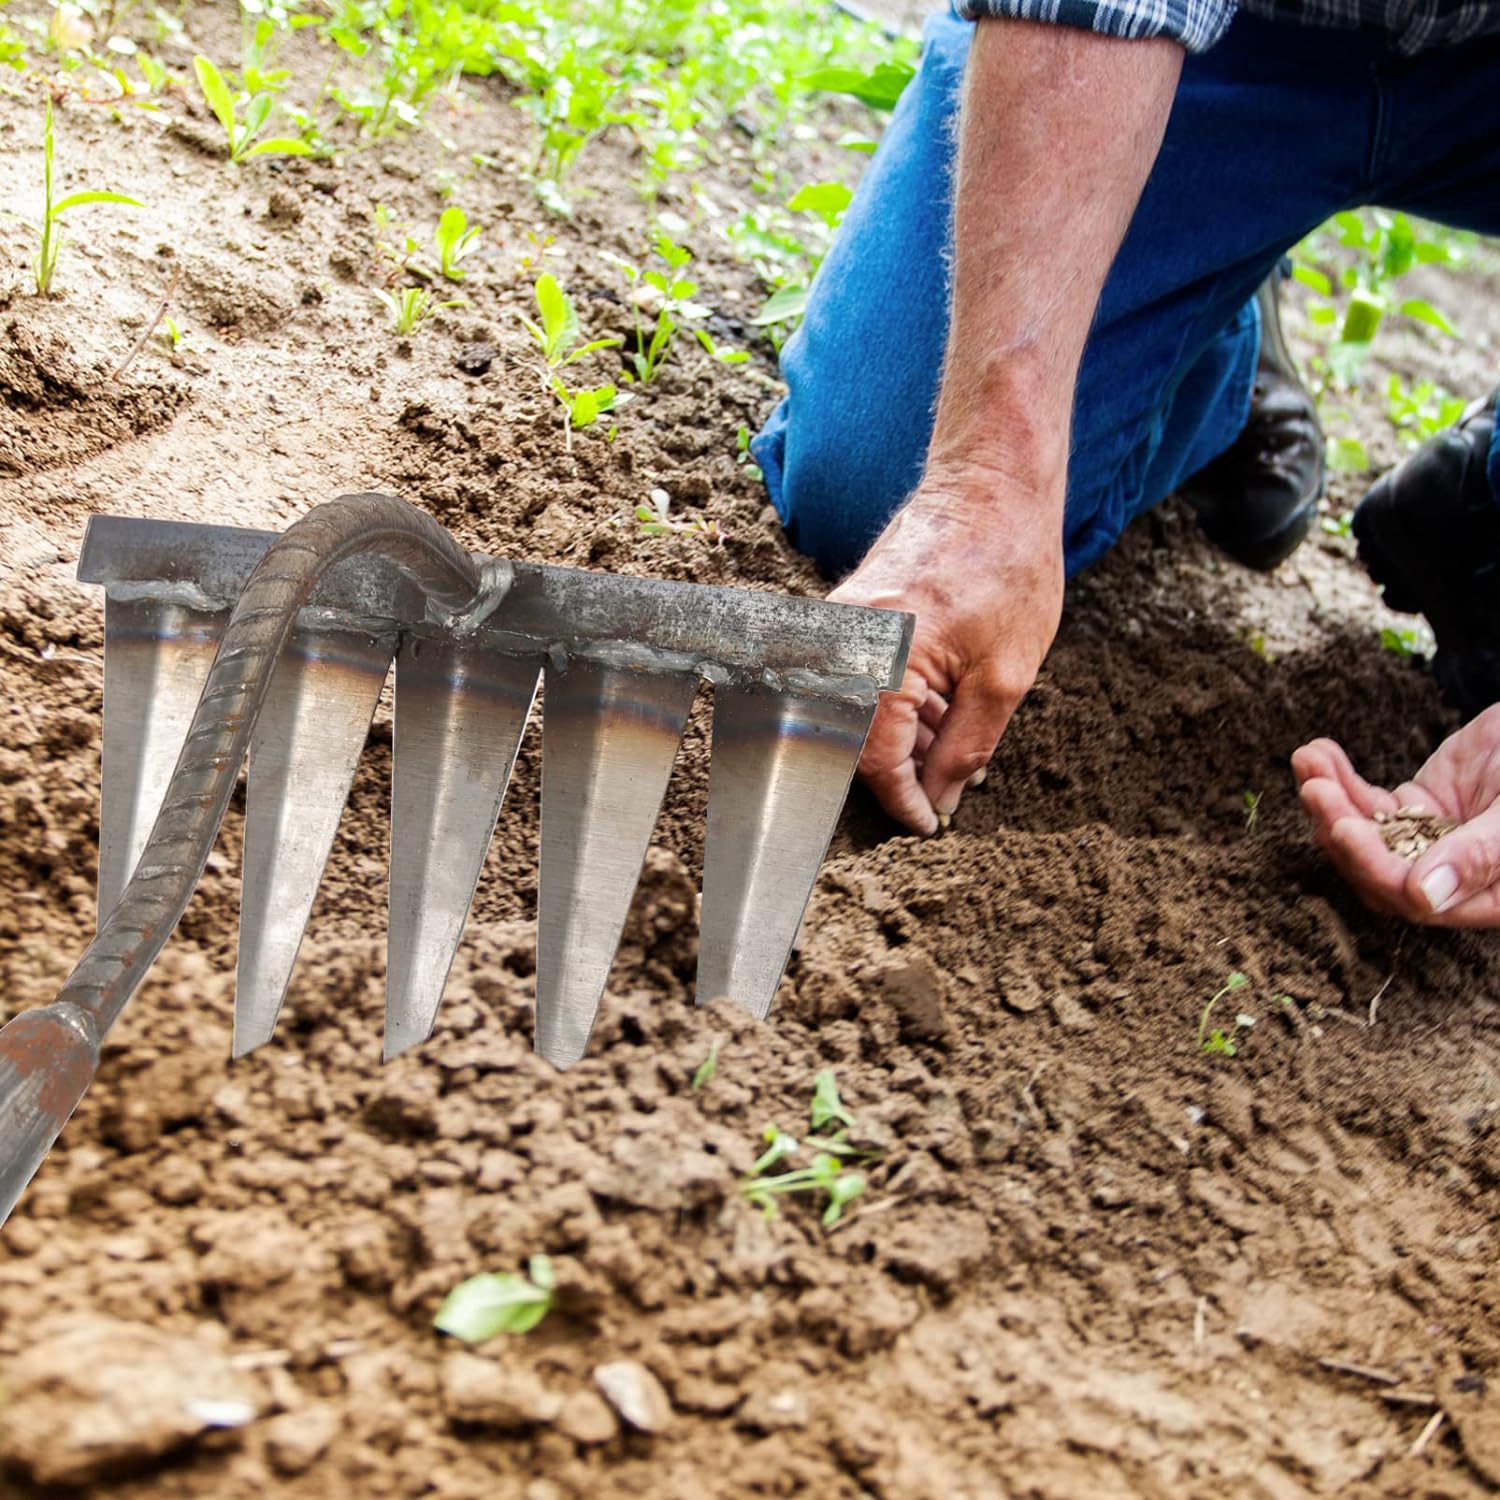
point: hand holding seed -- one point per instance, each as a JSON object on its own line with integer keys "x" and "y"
{"x": 1428, "y": 851}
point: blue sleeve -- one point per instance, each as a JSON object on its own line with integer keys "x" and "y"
{"x": 1197, "y": 24}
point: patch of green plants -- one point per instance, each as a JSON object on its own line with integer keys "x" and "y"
{"x": 827, "y": 1175}
{"x": 49, "y": 231}
{"x": 492, "y": 1303}
{"x": 557, "y": 338}
{"x": 243, "y": 119}
{"x": 1218, "y": 1042}
{"x": 1421, "y": 411}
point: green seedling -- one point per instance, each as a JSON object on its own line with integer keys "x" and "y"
{"x": 1252, "y": 809}
{"x": 827, "y": 1108}
{"x": 717, "y": 352}
{"x": 171, "y": 335}
{"x": 485, "y": 1306}
{"x": 826, "y": 1174}
{"x": 748, "y": 466}
{"x": 50, "y": 239}
{"x": 655, "y": 518}
{"x": 673, "y": 295}
{"x": 412, "y": 306}
{"x": 1420, "y": 411}
{"x": 1217, "y": 1041}
{"x": 243, "y": 123}
{"x": 556, "y": 336}
{"x": 455, "y": 240}
{"x": 1402, "y": 642}
{"x": 1340, "y": 525}
{"x": 703, "y": 1074}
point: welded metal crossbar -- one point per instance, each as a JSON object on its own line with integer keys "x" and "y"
{"x": 795, "y": 685}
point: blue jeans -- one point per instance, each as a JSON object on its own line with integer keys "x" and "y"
{"x": 1272, "y": 131}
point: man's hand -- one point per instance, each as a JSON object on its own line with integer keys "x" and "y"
{"x": 987, "y": 595}
{"x": 1060, "y": 127}
{"x": 1456, "y": 882}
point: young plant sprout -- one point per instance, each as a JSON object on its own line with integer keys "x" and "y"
{"x": 485, "y": 1306}
{"x": 455, "y": 240}
{"x": 655, "y": 518}
{"x": 412, "y": 306}
{"x": 826, "y": 1174}
{"x": 1217, "y": 1041}
{"x": 674, "y": 296}
{"x": 241, "y": 130}
{"x": 556, "y": 337}
{"x": 50, "y": 240}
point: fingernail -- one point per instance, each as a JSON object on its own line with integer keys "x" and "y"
{"x": 1440, "y": 886}
{"x": 944, "y": 819}
{"x": 977, "y": 779}
{"x": 947, "y": 804}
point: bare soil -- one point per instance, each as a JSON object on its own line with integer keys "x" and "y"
{"x": 1092, "y": 1259}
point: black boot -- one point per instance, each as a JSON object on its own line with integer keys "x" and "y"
{"x": 1257, "y": 499}
{"x": 1429, "y": 532}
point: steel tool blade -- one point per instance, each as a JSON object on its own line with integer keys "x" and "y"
{"x": 609, "y": 737}
{"x": 302, "y": 759}
{"x": 778, "y": 775}
{"x": 156, "y": 657}
{"x": 460, "y": 713}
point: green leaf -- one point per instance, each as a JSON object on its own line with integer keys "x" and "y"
{"x": 1311, "y": 276}
{"x": 880, "y": 88}
{"x": 827, "y": 1107}
{"x": 280, "y": 146}
{"x": 257, "y": 112}
{"x": 490, "y": 1304}
{"x": 558, "y": 318}
{"x": 1347, "y": 456}
{"x": 1425, "y": 312}
{"x": 782, "y": 306}
{"x": 827, "y": 200}
{"x": 704, "y": 1073}
{"x": 77, "y": 200}
{"x": 216, "y": 92}
{"x": 842, "y": 1190}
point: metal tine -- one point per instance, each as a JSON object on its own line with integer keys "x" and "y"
{"x": 156, "y": 658}
{"x": 303, "y": 755}
{"x": 460, "y": 714}
{"x": 609, "y": 737}
{"x": 778, "y": 775}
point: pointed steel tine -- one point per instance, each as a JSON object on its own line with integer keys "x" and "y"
{"x": 609, "y": 737}
{"x": 460, "y": 714}
{"x": 778, "y": 775}
{"x": 156, "y": 658}
{"x": 303, "y": 754}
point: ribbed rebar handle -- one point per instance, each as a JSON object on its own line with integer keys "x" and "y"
{"x": 48, "y": 1056}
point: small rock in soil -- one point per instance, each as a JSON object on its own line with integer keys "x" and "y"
{"x": 587, "y": 1419}
{"x": 475, "y": 359}
{"x": 297, "y": 1439}
{"x": 483, "y": 1393}
{"x": 782, "y": 1410}
{"x": 635, "y": 1393}
{"x": 107, "y": 1395}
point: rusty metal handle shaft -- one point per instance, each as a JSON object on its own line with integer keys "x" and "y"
{"x": 48, "y": 1056}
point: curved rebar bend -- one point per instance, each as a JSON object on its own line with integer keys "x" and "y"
{"x": 48, "y": 1056}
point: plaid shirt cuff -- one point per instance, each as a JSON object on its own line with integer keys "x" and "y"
{"x": 1197, "y": 24}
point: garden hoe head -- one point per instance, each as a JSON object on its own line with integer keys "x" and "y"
{"x": 221, "y": 642}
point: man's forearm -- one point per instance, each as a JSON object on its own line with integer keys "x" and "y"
{"x": 1059, "y": 131}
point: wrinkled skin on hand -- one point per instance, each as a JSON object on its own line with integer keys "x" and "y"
{"x": 1456, "y": 882}
{"x": 987, "y": 590}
